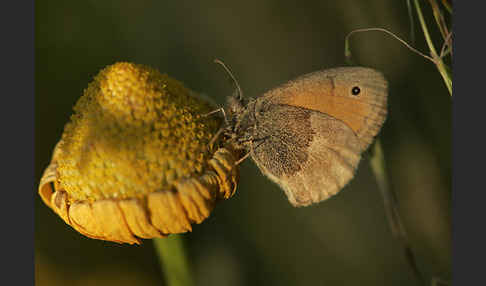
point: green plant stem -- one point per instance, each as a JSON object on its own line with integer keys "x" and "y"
{"x": 439, "y": 19}
{"x": 410, "y": 19}
{"x": 390, "y": 202}
{"x": 438, "y": 60}
{"x": 173, "y": 260}
{"x": 447, "y": 6}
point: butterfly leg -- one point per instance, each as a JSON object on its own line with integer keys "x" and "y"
{"x": 215, "y": 137}
{"x": 221, "y": 109}
{"x": 251, "y": 140}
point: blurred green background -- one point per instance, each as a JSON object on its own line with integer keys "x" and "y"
{"x": 257, "y": 237}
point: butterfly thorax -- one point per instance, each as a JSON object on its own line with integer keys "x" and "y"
{"x": 241, "y": 121}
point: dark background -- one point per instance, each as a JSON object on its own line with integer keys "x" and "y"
{"x": 257, "y": 237}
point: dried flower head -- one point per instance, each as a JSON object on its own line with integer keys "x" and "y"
{"x": 135, "y": 160}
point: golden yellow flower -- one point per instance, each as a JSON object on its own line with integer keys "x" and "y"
{"x": 135, "y": 160}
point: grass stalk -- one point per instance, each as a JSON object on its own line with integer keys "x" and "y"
{"x": 390, "y": 203}
{"x": 433, "y": 52}
{"x": 173, "y": 260}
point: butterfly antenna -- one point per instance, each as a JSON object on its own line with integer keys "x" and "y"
{"x": 240, "y": 93}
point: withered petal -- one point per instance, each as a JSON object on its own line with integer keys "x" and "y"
{"x": 165, "y": 211}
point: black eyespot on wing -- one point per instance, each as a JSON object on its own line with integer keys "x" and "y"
{"x": 356, "y": 90}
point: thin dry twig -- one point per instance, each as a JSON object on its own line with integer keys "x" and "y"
{"x": 446, "y": 46}
{"x": 348, "y": 53}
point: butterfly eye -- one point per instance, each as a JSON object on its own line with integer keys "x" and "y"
{"x": 356, "y": 90}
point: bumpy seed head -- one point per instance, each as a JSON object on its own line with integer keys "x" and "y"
{"x": 134, "y": 131}
{"x": 138, "y": 136}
